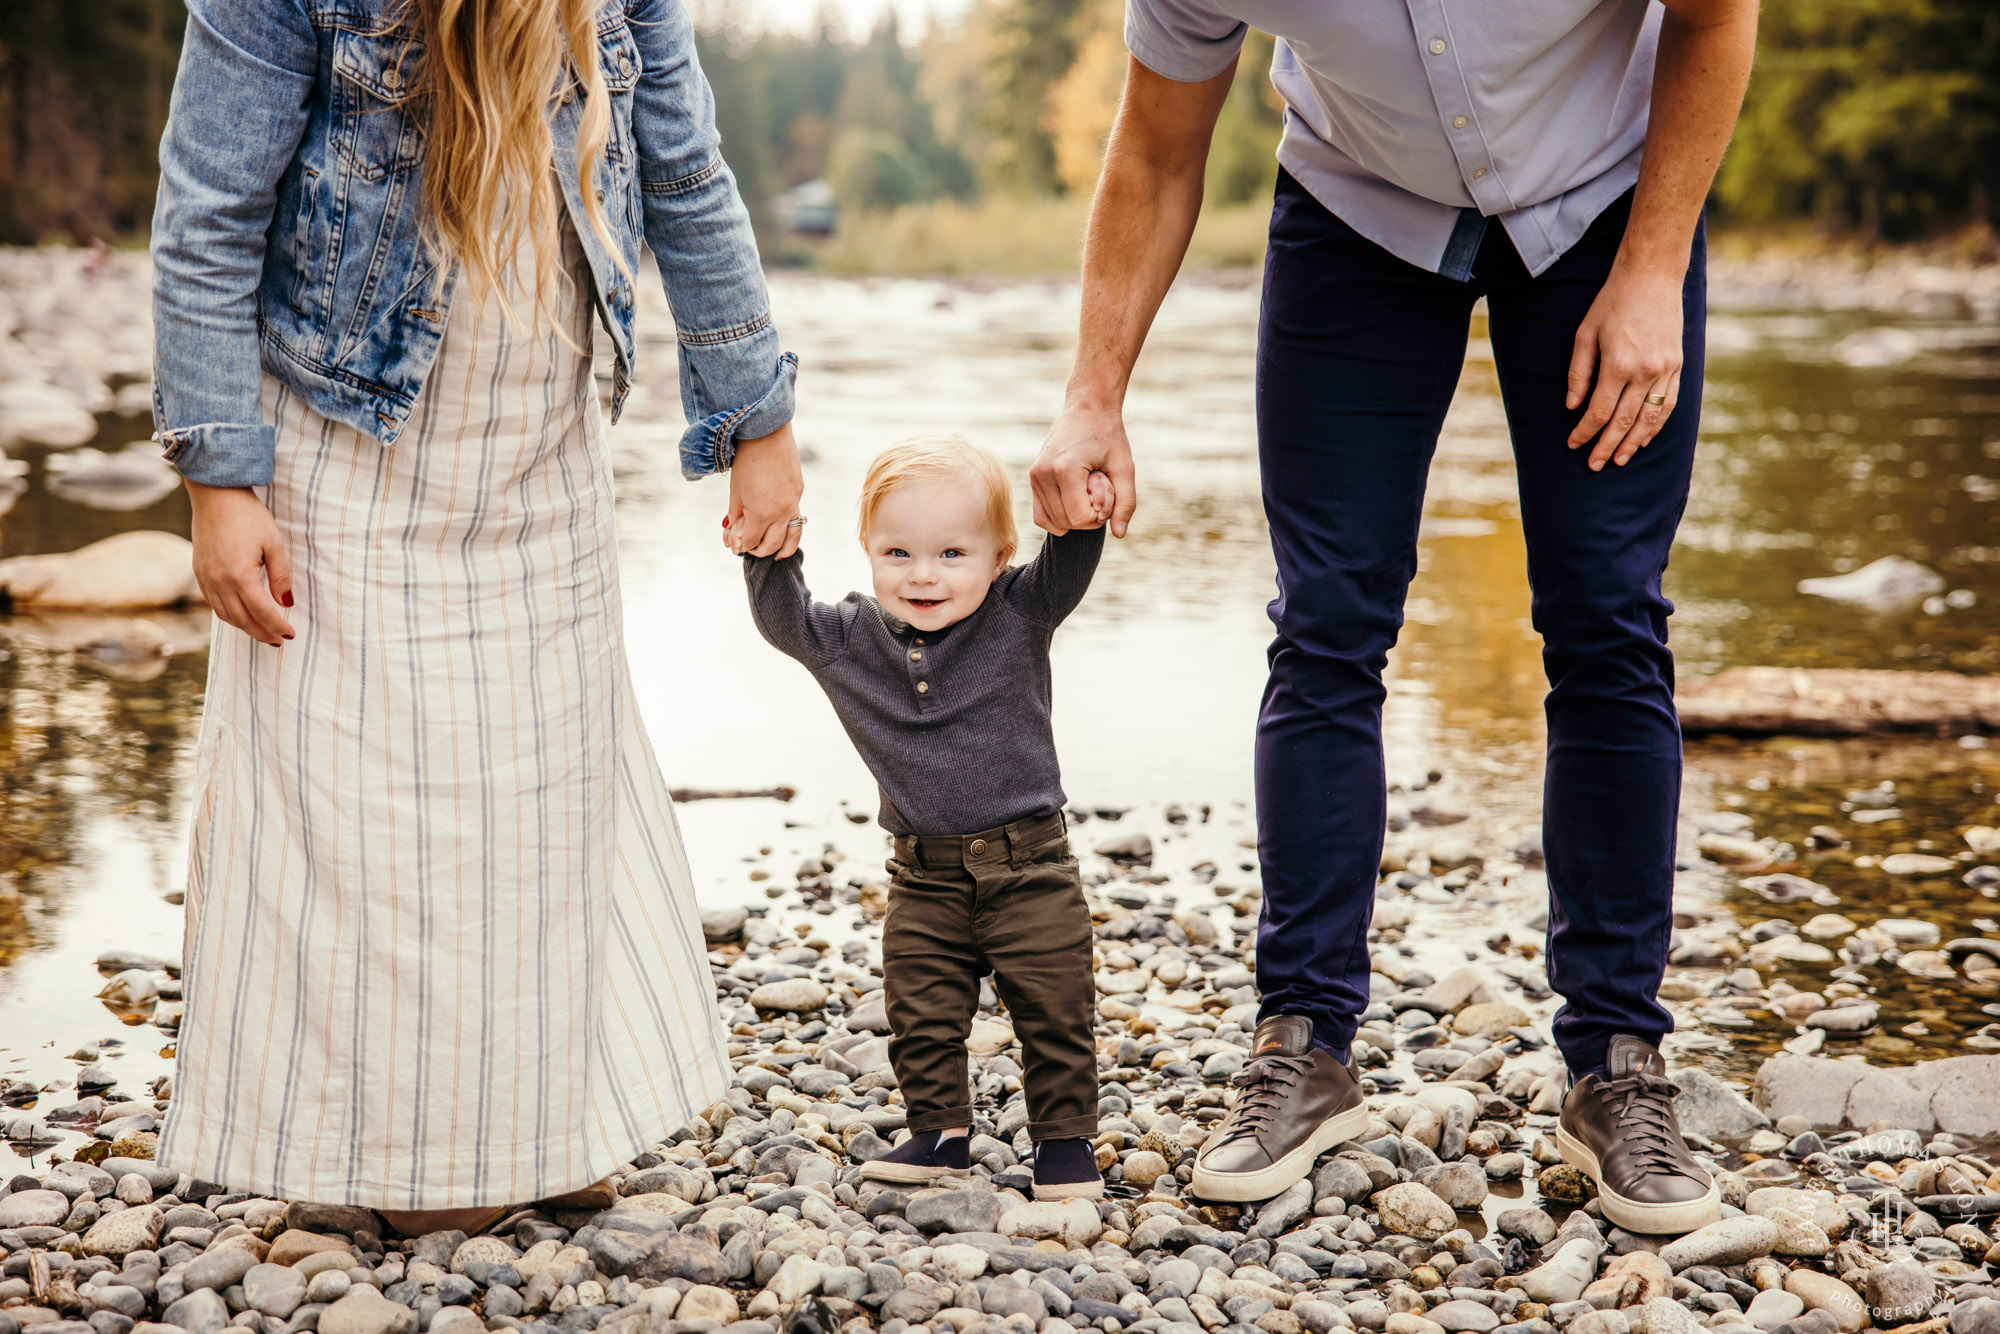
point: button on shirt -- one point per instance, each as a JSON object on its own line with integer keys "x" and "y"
{"x": 1415, "y": 121}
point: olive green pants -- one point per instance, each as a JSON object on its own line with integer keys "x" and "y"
{"x": 1007, "y": 901}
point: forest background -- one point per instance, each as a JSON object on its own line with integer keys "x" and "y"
{"x": 974, "y": 149}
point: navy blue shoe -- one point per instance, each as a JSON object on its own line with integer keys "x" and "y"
{"x": 925, "y": 1156}
{"x": 1066, "y": 1169}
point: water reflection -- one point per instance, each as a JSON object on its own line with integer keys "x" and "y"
{"x": 1809, "y": 465}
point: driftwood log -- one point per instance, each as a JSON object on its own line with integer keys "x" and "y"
{"x": 1825, "y": 701}
{"x": 687, "y": 794}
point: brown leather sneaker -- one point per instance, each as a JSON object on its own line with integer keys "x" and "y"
{"x": 1295, "y": 1103}
{"x": 1620, "y": 1127}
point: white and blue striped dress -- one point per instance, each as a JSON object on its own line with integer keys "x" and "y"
{"x": 443, "y": 948}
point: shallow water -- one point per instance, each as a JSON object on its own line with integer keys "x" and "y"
{"x": 1809, "y": 466}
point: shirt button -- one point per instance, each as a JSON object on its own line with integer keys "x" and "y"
{"x": 916, "y": 655}
{"x": 920, "y": 641}
{"x": 1437, "y": 46}
{"x": 977, "y": 847}
{"x": 923, "y": 687}
{"x": 1477, "y": 172}
{"x": 1458, "y": 122}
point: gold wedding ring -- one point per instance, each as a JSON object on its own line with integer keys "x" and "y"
{"x": 1657, "y": 400}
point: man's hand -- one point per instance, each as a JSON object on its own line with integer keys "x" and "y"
{"x": 765, "y": 484}
{"x": 1630, "y": 343}
{"x": 239, "y": 561}
{"x": 1083, "y": 442}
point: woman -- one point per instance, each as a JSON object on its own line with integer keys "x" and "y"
{"x": 442, "y": 951}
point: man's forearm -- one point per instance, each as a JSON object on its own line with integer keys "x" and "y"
{"x": 1706, "y": 47}
{"x": 1140, "y": 223}
{"x": 1148, "y": 198}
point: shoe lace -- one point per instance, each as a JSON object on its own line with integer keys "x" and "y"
{"x": 1264, "y": 1083}
{"x": 1643, "y": 1105}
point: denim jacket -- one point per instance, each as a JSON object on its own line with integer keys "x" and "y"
{"x": 287, "y": 235}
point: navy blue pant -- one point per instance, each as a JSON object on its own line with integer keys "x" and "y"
{"x": 1358, "y": 356}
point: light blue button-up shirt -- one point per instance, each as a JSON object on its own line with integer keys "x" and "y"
{"x": 1414, "y": 121}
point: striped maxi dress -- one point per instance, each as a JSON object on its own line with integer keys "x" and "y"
{"x": 442, "y": 948}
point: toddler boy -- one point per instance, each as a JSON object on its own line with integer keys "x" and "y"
{"x": 942, "y": 682}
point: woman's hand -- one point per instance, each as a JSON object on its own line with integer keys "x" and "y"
{"x": 239, "y": 562}
{"x": 765, "y": 484}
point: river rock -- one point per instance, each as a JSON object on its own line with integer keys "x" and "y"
{"x": 138, "y": 569}
{"x": 1664, "y": 1315}
{"x": 1711, "y": 1109}
{"x": 1889, "y": 582}
{"x": 1798, "y": 1236}
{"x": 1342, "y": 1179}
{"x": 1774, "y": 1307}
{"x": 794, "y": 995}
{"x": 274, "y": 1290}
{"x": 365, "y": 1311}
{"x": 118, "y": 1235}
{"x": 1144, "y": 1167}
{"x": 1464, "y": 1317}
{"x": 1730, "y": 1241}
{"x": 218, "y": 1269}
{"x": 1414, "y": 1211}
{"x": 294, "y": 1245}
{"x": 1900, "y": 1293}
{"x": 683, "y": 1257}
{"x": 1489, "y": 1019}
{"x": 722, "y": 926}
{"x": 1073, "y": 1222}
{"x": 949, "y": 1209}
{"x": 959, "y": 1262}
{"x": 345, "y": 1219}
{"x": 707, "y": 1302}
{"x": 34, "y": 1208}
{"x": 1564, "y": 1277}
{"x": 1531, "y": 1225}
{"x": 1815, "y": 1206}
{"x": 1824, "y": 1292}
{"x": 1811, "y": 1087}
{"x": 200, "y": 1312}
{"x": 1978, "y": 1316}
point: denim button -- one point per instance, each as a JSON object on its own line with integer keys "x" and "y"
{"x": 977, "y": 847}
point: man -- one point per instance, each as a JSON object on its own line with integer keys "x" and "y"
{"x": 1551, "y": 156}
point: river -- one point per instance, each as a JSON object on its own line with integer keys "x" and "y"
{"x": 1829, "y": 439}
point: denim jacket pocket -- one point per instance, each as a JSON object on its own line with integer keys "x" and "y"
{"x": 374, "y": 72}
{"x": 618, "y": 56}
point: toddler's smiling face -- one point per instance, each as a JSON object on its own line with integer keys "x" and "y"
{"x": 933, "y": 552}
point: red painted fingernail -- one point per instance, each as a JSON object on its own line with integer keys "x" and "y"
{"x": 290, "y": 636}
{"x": 725, "y": 521}
{"x": 288, "y": 599}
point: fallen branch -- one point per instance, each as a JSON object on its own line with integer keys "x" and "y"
{"x": 1838, "y": 702}
{"x": 683, "y": 794}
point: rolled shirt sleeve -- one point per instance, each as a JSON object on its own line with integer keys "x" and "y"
{"x": 736, "y": 379}
{"x": 1184, "y": 40}
{"x": 239, "y": 107}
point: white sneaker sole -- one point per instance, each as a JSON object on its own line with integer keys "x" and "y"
{"x": 1234, "y": 1187}
{"x": 1636, "y": 1215}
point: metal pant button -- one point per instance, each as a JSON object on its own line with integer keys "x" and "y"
{"x": 977, "y": 847}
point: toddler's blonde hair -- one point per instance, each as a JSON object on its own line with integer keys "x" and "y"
{"x": 941, "y": 458}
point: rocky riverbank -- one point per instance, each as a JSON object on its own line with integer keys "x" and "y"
{"x": 1856, "y": 1195}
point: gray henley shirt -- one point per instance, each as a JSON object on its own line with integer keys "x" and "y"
{"x": 953, "y": 723}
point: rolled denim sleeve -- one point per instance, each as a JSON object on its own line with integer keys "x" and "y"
{"x": 239, "y": 108}
{"x": 736, "y": 380}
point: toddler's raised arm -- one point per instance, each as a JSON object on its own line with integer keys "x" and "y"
{"x": 786, "y": 614}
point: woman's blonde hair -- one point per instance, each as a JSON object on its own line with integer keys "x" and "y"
{"x": 941, "y": 458}
{"x": 490, "y": 72}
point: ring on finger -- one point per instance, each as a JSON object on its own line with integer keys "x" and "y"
{"x": 1656, "y": 400}
{"x": 796, "y": 521}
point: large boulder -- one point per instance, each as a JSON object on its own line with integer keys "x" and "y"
{"x": 140, "y": 569}
{"x": 1959, "y": 1095}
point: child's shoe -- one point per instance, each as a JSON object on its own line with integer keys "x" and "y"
{"x": 1066, "y": 1169}
{"x": 925, "y": 1156}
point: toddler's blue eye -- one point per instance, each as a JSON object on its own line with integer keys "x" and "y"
{"x": 951, "y": 552}
{"x": 899, "y": 553}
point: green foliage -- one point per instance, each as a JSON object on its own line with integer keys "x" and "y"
{"x": 1035, "y": 43}
{"x": 83, "y": 97}
{"x": 873, "y": 170}
{"x": 1883, "y": 114}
